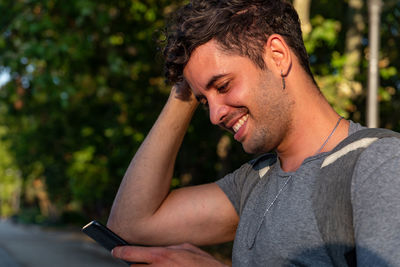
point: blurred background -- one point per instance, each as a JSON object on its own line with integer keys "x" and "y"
{"x": 81, "y": 83}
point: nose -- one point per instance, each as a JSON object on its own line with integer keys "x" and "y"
{"x": 218, "y": 111}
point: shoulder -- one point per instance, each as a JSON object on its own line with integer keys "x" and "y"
{"x": 376, "y": 202}
{"x": 238, "y": 184}
{"x": 379, "y": 163}
{"x": 379, "y": 152}
{"x": 252, "y": 169}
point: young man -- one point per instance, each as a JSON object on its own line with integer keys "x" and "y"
{"x": 246, "y": 61}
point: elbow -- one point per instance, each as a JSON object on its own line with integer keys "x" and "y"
{"x": 115, "y": 225}
{"x": 123, "y": 228}
{"x": 133, "y": 233}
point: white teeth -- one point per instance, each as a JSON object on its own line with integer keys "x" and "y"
{"x": 240, "y": 123}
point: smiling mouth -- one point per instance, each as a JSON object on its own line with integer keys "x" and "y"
{"x": 240, "y": 123}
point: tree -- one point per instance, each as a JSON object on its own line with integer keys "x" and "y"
{"x": 10, "y": 179}
{"x": 86, "y": 84}
{"x": 303, "y": 9}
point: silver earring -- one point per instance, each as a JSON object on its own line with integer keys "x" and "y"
{"x": 283, "y": 81}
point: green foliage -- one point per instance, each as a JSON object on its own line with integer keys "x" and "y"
{"x": 390, "y": 65}
{"x": 324, "y": 34}
{"x": 328, "y": 67}
{"x": 326, "y": 44}
{"x": 88, "y": 176}
{"x": 10, "y": 179}
{"x": 86, "y": 85}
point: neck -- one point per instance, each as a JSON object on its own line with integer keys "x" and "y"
{"x": 311, "y": 132}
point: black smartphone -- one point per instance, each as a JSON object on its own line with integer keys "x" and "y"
{"x": 104, "y": 236}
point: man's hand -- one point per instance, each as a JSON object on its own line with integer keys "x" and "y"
{"x": 183, "y": 92}
{"x": 180, "y": 255}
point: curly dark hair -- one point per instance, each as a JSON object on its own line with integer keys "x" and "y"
{"x": 239, "y": 26}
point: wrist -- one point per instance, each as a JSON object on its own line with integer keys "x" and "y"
{"x": 182, "y": 95}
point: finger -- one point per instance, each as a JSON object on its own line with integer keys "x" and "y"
{"x": 133, "y": 254}
{"x": 191, "y": 248}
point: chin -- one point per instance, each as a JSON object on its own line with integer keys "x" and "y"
{"x": 251, "y": 149}
{"x": 256, "y": 149}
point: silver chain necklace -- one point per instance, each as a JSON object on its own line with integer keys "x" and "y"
{"x": 329, "y": 136}
{"x": 290, "y": 177}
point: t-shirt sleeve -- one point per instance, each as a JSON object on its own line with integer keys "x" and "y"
{"x": 239, "y": 184}
{"x": 232, "y": 185}
{"x": 376, "y": 204}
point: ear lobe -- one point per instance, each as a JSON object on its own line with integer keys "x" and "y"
{"x": 278, "y": 53}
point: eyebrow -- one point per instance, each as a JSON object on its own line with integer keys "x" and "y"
{"x": 213, "y": 79}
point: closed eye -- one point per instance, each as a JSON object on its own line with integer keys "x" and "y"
{"x": 223, "y": 88}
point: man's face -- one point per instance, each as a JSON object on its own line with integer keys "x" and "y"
{"x": 245, "y": 100}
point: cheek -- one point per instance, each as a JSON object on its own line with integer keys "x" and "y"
{"x": 240, "y": 96}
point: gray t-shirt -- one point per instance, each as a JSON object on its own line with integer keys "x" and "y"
{"x": 277, "y": 223}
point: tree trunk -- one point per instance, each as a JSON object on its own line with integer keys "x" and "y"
{"x": 353, "y": 42}
{"x": 353, "y": 53}
{"x": 374, "y": 7}
{"x": 303, "y": 9}
{"x": 46, "y": 207}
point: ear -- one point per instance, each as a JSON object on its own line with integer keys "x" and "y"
{"x": 277, "y": 55}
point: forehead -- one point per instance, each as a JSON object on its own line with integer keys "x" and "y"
{"x": 203, "y": 62}
{"x": 208, "y": 61}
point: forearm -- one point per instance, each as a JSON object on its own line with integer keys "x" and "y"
{"x": 147, "y": 180}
